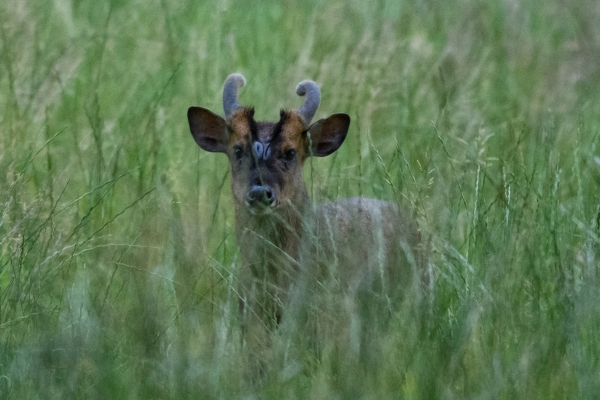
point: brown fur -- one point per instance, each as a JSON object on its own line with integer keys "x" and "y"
{"x": 289, "y": 247}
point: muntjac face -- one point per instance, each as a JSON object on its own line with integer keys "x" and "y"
{"x": 266, "y": 158}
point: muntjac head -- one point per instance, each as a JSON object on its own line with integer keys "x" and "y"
{"x": 266, "y": 158}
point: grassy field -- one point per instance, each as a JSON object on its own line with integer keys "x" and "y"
{"x": 117, "y": 246}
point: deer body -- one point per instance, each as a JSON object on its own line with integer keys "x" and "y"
{"x": 356, "y": 244}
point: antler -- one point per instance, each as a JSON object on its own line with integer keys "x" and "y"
{"x": 313, "y": 97}
{"x": 230, "y": 91}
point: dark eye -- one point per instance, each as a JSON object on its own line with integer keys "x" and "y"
{"x": 289, "y": 155}
{"x": 237, "y": 153}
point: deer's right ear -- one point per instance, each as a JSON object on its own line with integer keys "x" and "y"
{"x": 208, "y": 129}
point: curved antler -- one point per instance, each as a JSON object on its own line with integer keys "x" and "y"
{"x": 230, "y": 91}
{"x": 313, "y": 97}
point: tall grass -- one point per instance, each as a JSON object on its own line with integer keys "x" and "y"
{"x": 117, "y": 250}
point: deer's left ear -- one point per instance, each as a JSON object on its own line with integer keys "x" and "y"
{"x": 327, "y": 135}
{"x": 209, "y": 130}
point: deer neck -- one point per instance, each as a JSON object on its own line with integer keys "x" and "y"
{"x": 271, "y": 241}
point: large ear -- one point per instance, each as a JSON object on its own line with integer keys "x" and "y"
{"x": 327, "y": 135}
{"x": 209, "y": 130}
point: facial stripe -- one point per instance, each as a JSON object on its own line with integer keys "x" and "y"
{"x": 249, "y": 116}
{"x": 276, "y": 136}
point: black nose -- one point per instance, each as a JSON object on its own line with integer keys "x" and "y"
{"x": 260, "y": 195}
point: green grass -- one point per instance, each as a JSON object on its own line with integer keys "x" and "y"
{"x": 117, "y": 246}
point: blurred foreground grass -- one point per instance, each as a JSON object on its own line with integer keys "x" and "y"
{"x": 117, "y": 249}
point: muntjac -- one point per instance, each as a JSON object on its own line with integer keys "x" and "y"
{"x": 359, "y": 245}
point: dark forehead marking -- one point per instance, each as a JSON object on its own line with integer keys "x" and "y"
{"x": 271, "y": 132}
{"x": 264, "y": 131}
{"x": 249, "y": 115}
{"x": 284, "y": 116}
